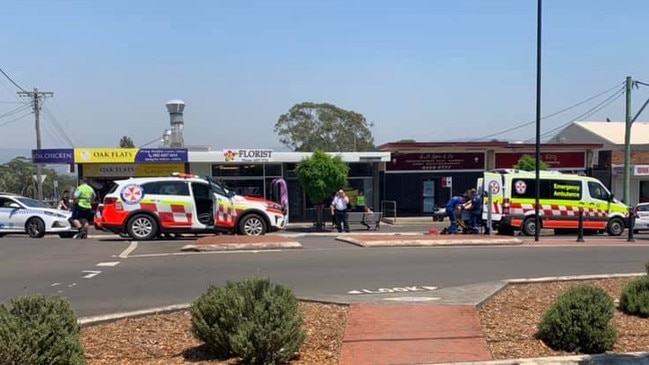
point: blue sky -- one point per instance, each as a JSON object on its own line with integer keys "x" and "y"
{"x": 427, "y": 70}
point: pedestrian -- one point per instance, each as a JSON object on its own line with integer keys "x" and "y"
{"x": 64, "y": 202}
{"x": 451, "y": 207}
{"x": 339, "y": 207}
{"x": 82, "y": 215}
{"x": 360, "y": 202}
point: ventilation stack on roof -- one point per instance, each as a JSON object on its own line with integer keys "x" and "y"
{"x": 176, "y": 108}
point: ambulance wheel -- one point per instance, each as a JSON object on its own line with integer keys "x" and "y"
{"x": 142, "y": 227}
{"x": 615, "y": 227}
{"x": 252, "y": 225}
{"x": 529, "y": 226}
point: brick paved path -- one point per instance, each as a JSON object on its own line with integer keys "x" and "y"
{"x": 382, "y": 334}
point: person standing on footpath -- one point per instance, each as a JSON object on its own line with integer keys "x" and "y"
{"x": 339, "y": 210}
{"x": 82, "y": 215}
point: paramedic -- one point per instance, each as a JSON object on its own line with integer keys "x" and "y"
{"x": 476, "y": 212}
{"x": 451, "y": 207}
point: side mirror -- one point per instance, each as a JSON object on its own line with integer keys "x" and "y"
{"x": 611, "y": 197}
{"x": 14, "y": 205}
{"x": 231, "y": 194}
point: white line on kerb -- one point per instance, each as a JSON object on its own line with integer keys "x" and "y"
{"x": 128, "y": 250}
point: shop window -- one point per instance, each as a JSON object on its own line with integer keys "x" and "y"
{"x": 238, "y": 170}
{"x": 273, "y": 170}
{"x": 290, "y": 170}
{"x": 644, "y": 191}
{"x": 254, "y": 188}
{"x": 166, "y": 188}
{"x": 360, "y": 169}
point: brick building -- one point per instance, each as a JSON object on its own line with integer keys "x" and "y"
{"x": 416, "y": 176}
{"x": 608, "y": 161}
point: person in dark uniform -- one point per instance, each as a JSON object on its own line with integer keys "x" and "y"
{"x": 451, "y": 208}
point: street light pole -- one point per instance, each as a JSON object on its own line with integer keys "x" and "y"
{"x": 627, "y": 142}
{"x": 537, "y": 229}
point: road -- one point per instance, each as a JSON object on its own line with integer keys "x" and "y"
{"x": 149, "y": 274}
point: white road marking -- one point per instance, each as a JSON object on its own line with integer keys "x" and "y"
{"x": 128, "y": 250}
{"x": 90, "y": 273}
{"x": 403, "y": 289}
{"x": 71, "y": 285}
{"x": 145, "y": 255}
{"x": 413, "y": 299}
{"x": 109, "y": 264}
{"x": 56, "y": 284}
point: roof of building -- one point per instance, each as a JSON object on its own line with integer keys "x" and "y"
{"x": 614, "y": 131}
{"x": 500, "y": 146}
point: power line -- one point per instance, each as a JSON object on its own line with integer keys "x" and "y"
{"x": 552, "y": 114}
{"x": 588, "y": 113}
{"x": 15, "y": 120}
{"x": 11, "y": 80}
{"x": 19, "y": 109}
{"x": 58, "y": 126}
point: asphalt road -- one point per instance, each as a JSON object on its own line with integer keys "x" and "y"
{"x": 98, "y": 281}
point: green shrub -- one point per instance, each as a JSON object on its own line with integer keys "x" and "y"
{"x": 580, "y": 321}
{"x": 254, "y": 319}
{"x": 37, "y": 330}
{"x": 635, "y": 298}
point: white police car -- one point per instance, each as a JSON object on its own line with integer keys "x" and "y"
{"x": 19, "y": 214}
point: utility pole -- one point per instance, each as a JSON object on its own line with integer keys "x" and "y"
{"x": 36, "y": 96}
{"x": 627, "y": 141}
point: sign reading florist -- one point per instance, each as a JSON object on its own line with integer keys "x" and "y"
{"x": 247, "y": 155}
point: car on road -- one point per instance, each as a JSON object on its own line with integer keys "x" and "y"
{"x": 641, "y": 212}
{"x": 19, "y": 214}
{"x": 144, "y": 208}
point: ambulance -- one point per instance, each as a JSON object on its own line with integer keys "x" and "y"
{"x": 562, "y": 197}
{"x": 144, "y": 208}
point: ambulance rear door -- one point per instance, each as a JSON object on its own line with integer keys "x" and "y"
{"x": 492, "y": 183}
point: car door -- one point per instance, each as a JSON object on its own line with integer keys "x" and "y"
{"x": 225, "y": 214}
{"x": 173, "y": 202}
{"x": 642, "y": 217}
{"x": 12, "y": 218}
{"x": 598, "y": 206}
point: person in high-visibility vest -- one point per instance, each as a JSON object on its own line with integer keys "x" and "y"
{"x": 82, "y": 214}
{"x": 360, "y": 202}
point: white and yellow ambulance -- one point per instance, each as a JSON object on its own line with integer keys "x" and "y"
{"x": 143, "y": 208}
{"x": 562, "y": 197}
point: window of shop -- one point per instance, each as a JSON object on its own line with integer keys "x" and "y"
{"x": 273, "y": 170}
{"x": 237, "y": 170}
{"x": 644, "y": 192}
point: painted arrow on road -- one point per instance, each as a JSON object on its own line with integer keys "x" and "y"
{"x": 399, "y": 289}
{"x": 90, "y": 273}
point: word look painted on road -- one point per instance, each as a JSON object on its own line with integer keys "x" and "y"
{"x": 401, "y": 289}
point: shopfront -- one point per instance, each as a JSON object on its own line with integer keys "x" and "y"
{"x": 423, "y": 176}
{"x": 252, "y": 172}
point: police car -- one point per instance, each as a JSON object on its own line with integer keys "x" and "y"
{"x": 19, "y": 214}
{"x": 145, "y": 208}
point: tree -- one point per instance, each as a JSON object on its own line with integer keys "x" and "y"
{"x": 311, "y": 126}
{"x": 126, "y": 142}
{"x": 320, "y": 176}
{"x": 528, "y": 163}
{"x": 17, "y": 176}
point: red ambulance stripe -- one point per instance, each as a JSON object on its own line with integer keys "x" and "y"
{"x": 151, "y": 207}
{"x": 175, "y": 208}
{"x": 166, "y": 218}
